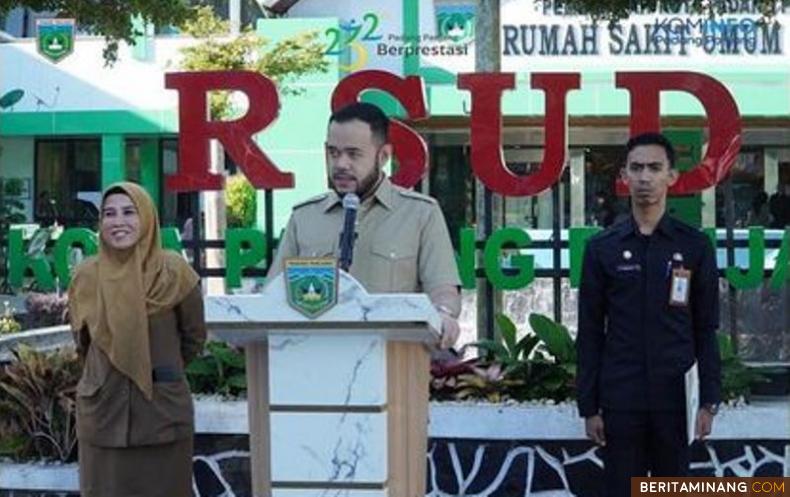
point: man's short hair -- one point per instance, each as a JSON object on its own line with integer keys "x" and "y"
{"x": 652, "y": 139}
{"x": 368, "y": 113}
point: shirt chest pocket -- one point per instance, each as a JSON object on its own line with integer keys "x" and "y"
{"x": 319, "y": 248}
{"x": 625, "y": 280}
{"x": 396, "y": 265}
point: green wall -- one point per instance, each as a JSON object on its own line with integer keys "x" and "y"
{"x": 93, "y": 122}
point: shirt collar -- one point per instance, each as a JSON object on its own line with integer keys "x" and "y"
{"x": 664, "y": 227}
{"x": 384, "y": 194}
{"x": 331, "y": 200}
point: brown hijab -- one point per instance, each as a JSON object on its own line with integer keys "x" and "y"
{"x": 114, "y": 293}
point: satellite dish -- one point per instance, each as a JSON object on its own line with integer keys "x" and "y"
{"x": 38, "y": 242}
{"x": 11, "y": 98}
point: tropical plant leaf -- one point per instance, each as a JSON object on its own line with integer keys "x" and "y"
{"x": 238, "y": 381}
{"x": 228, "y": 356}
{"x": 526, "y": 345}
{"x": 556, "y": 337}
{"x": 726, "y": 348}
{"x": 217, "y": 371}
{"x": 508, "y": 331}
{"x": 202, "y": 367}
{"x": 38, "y": 406}
{"x": 495, "y": 349}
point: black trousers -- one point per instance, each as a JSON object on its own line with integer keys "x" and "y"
{"x": 642, "y": 442}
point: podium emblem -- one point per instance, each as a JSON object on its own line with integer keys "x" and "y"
{"x": 311, "y": 284}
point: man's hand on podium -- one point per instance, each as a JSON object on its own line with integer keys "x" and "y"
{"x": 447, "y": 300}
{"x": 450, "y": 331}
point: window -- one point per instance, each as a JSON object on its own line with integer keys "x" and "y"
{"x": 779, "y": 201}
{"x": 133, "y": 160}
{"x": 536, "y": 211}
{"x": 748, "y": 189}
{"x": 453, "y": 186}
{"x": 68, "y": 182}
{"x": 602, "y": 166}
{"x": 174, "y": 210}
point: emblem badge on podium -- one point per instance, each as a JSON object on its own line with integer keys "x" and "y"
{"x": 311, "y": 284}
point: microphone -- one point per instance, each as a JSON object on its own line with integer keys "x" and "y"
{"x": 348, "y": 235}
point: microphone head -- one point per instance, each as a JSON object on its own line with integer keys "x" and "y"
{"x": 350, "y": 201}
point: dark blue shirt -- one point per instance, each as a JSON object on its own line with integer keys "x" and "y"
{"x": 633, "y": 346}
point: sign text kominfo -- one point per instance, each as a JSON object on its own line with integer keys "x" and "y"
{"x": 505, "y": 264}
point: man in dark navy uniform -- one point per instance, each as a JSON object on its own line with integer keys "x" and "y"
{"x": 648, "y": 309}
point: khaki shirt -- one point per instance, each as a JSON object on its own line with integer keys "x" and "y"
{"x": 402, "y": 245}
{"x": 113, "y": 412}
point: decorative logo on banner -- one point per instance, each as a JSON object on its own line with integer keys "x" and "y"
{"x": 456, "y": 22}
{"x": 55, "y": 38}
{"x": 311, "y": 284}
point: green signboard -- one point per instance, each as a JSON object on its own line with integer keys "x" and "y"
{"x": 505, "y": 261}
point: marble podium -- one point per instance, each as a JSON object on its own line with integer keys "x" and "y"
{"x": 338, "y": 405}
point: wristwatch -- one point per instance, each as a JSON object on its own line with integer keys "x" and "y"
{"x": 713, "y": 409}
{"x": 444, "y": 310}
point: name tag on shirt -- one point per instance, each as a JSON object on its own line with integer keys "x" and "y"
{"x": 679, "y": 289}
{"x": 625, "y": 268}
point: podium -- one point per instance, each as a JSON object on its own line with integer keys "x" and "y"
{"x": 338, "y": 405}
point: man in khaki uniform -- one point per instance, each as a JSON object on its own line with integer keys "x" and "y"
{"x": 402, "y": 240}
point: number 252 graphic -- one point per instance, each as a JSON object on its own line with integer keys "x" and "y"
{"x": 346, "y": 36}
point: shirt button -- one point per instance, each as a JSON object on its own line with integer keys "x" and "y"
{"x": 392, "y": 255}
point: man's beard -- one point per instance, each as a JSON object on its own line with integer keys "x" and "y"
{"x": 365, "y": 186}
{"x": 368, "y": 184}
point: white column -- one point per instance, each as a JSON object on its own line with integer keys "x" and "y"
{"x": 709, "y": 207}
{"x": 577, "y": 187}
{"x": 771, "y": 163}
{"x": 708, "y": 198}
{"x": 213, "y": 203}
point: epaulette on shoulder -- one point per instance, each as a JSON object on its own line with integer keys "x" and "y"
{"x": 311, "y": 200}
{"x": 684, "y": 227}
{"x": 417, "y": 196}
{"x": 608, "y": 232}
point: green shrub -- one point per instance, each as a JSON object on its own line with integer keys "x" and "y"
{"x": 240, "y": 201}
{"x": 11, "y": 212}
{"x": 542, "y": 366}
{"x": 46, "y": 309}
{"x": 736, "y": 378}
{"x": 539, "y": 366}
{"x": 8, "y": 324}
{"x": 219, "y": 370}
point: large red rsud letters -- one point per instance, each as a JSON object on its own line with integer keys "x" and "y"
{"x": 196, "y": 130}
{"x": 408, "y": 146}
{"x": 486, "y": 130}
{"x": 724, "y": 122}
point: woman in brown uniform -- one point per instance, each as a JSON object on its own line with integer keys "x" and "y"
{"x": 137, "y": 316}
